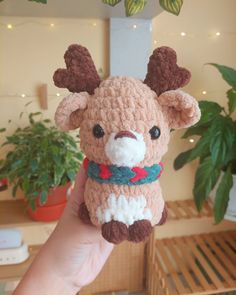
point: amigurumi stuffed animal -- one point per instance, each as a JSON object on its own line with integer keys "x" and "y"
{"x": 124, "y": 132}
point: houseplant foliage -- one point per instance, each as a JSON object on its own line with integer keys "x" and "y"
{"x": 215, "y": 148}
{"x": 41, "y": 158}
{"x": 133, "y": 7}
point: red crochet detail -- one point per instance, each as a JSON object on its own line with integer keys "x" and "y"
{"x": 162, "y": 168}
{"x": 140, "y": 174}
{"x": 104, "y": 173}
{"x": 86, "y": 163}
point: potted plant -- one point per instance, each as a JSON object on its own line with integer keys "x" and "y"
{"x": 42, "y": 162}
{"x": 216, "y": 151}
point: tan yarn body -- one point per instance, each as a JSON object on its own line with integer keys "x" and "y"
{"x": 122, "y": 103}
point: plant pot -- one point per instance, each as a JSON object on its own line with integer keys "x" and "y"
{"x": 53, "y": 208}
{"x": 230, "y": 213}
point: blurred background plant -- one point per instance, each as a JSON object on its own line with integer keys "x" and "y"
{"x": 40, "y": 158}
{"x": 215, "y": 148}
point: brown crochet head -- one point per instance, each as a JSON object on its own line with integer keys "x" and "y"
{"x": 122, "y": 120}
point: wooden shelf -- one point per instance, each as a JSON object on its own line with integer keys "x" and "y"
{"x": 186, "y": 209}
{"x": 15, "y": 272}
{"x": 198, "y": 264}
{"x": 13, "y": 214}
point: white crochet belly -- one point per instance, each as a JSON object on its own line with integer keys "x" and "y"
{"x": 124, "y": 209}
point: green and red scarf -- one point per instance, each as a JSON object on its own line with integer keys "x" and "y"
{"x": 112, "y": 174}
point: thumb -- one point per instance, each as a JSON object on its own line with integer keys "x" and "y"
{"x": 77, "y": 194}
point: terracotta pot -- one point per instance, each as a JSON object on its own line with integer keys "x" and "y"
{"x": 54, "y": 206}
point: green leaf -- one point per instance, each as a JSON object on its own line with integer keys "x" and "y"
{"x": 111, "y": 2}
{"x": 43, "y": 197}
{"x": 195, "y": 130}
{"x": 228, "y": 74}
{"x": 172, "y": 6}
{"x": 134, "y": 6}
{"x": 231, "y": 94}
{"x": 182, "y": 159}
{"x": 39, "y": 1}
{"x": 2, "y": 129}
{"x": 222, "y": 138}
{"x": 205, "y": 179}
{"x": 209, "y": 111}
{"x": 222, "y": 195}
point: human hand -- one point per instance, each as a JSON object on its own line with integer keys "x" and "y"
{"x": 73, "y": 255}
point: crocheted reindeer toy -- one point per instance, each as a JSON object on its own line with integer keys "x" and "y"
{"x": 124, "y": 132}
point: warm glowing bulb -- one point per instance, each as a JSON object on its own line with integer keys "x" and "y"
{"x": 94, "y": 24}
{"x": 9, "y": 26}
{"x": 58, "y": 94}
{"x": 52, "y": 25}
{"x": 204, "y": 92}
{"x": 23, "y": 95}
{"x": 191, "y": 140}
{"x": 155, "y": 41}
{"x": 183, "y": 34}
{"x": 217, "y": 33}
{"x": 135, "y": 26}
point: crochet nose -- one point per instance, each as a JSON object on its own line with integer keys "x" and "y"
{"x": 122, "y": 134}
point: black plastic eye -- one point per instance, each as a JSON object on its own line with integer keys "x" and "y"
{"x": 155, "y": 132}
{"x": 98, "y": 132}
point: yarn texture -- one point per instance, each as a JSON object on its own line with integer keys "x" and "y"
{"x": 122, "y": 175}
{"x": 116, "y": 118}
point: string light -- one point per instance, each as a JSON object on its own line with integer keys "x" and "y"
{"x": 94, "y": 24}
{"x": 23, "y": 95}
{"x": 191, "y": 140}
{"x": 58, "y": 94}
{"x": 204, "y": 92}
{"x": 134, "y": 26}
{"x": 9, "y": 26}
{"x": 218, "y": 34}
{"x": 183, "y": 34}
{"x": 52, "y": 25}
{"x": 155, "y": 41}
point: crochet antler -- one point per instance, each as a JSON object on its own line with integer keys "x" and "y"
{"x": 164, "y": 73}
{"x": 80, "y": 73}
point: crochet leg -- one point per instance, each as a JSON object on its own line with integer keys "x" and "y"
{"x": 114, "y": 231}
{"x": 84, "y": 214}
{"x": 140, "y": 230}
{"x": 164, "y": 216}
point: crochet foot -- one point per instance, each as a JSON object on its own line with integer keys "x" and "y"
{"x": 140, "y": 230}
{"x": 84, "y": 214}
{"x": 164, "y": 216}
{"x": 114, "y": 231}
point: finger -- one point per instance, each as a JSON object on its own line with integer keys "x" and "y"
{"x": 77, "y": 194}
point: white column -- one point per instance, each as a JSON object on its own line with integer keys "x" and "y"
{"x": 130, "y": 45}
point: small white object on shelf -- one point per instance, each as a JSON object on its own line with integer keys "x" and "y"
{"x": 14, "y": 255}
{"x": 10, "y": 238}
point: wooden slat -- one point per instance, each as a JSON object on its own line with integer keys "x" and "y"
{"x": 185, "y": 207}
{"x": 215, "y": 280}
{"x": 222, "y": 241}
{"x": 174, "y": 208}
{"x": 192, "y": 264}
{"x": 226, "y": 256}
{"x": 163, "y": 274}
{"x": 181, "y": 265}
{"x": 171, "y": 270}
{"x": 218, "y": 266}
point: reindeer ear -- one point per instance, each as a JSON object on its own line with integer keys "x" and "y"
{"x": 80, "y": 73}
{"x": 69, "y": 113}
{"x": 180, "y": 109}
{"x": 164, "y": 73}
